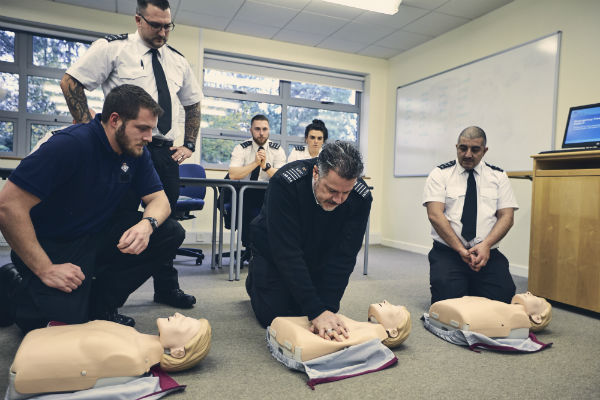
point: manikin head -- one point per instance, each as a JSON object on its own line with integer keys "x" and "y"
{"x": 153, "y": 20}
{"x": 537, "y": 308}
{"x": 259, "y": 128}
{"x": 470, "y": 148}
{"x": 395, "y": 320}
{"x": 186, "y": 339}
{"x": 337, "y": 169}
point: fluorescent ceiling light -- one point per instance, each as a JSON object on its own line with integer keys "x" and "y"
{"x": 381, "y": 6}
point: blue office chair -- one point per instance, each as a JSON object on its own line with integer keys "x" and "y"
{"x": 191, "y": 198}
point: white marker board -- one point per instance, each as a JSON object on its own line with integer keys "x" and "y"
{"x": 511, "y": 95}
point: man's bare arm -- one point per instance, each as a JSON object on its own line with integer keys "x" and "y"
{"x": 17, "y": 228}
{"x": 192, "y": 122}
{"x": 435, "y": 213}
{"x": 76, "y": 99}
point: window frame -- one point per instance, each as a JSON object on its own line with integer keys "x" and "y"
{"x": 284, "y": 99}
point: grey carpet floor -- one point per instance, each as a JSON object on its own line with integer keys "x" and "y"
{"x": 239, "y": 365}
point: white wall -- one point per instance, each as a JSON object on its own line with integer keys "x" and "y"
{"x": 405, "y": 224}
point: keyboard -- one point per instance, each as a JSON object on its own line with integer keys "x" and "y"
{"x": 566, "y": 150}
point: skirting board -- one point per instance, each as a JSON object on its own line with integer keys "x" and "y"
{"x": 515, "y": 269}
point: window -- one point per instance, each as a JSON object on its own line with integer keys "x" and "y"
{"x": 31, "y": 101}
{"x": 236, "y": 89}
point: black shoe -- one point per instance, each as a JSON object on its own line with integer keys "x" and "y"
{"x": 175, "y": 298}
{"x": 114, "y": 316}
{"x": 10, "y": 279}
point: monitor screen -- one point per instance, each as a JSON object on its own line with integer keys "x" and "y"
{"x": 583, "y": 127}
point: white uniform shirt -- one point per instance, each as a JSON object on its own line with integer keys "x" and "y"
{"x": 245, "y": 153}
{"x": 120, "y": 60}
{"x": 447, "y": 184}
{"x": 299, "y": 153}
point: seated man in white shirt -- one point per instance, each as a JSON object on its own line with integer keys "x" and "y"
{"x": 468, "y": 220}
{"x": 256, "y": 159}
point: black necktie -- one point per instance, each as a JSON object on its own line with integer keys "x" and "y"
{"x": 256, "y": 171}
{"x": 164, "y": 97}
{"x": 469, "y": 215}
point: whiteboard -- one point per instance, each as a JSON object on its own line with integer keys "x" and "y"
{"x": 511, "y": 95}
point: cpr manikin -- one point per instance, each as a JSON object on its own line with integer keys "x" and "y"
{"x": 101, "y": 353}
{"x": 388, "y": 323}
{"x": 493, "y": 318}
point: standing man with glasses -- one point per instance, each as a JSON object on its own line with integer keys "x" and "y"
{"x": 471, "y": 207}
{"x": 144, "y": 59}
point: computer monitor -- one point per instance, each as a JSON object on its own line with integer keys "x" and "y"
{"x": 583, "y": 127}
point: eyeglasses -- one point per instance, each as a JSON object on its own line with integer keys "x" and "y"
{"x": 157, "y": 27}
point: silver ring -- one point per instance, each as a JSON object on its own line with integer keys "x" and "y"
{"x": 328, "y": 331}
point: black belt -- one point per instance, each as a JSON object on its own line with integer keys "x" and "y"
{"x": 158, "y": 142}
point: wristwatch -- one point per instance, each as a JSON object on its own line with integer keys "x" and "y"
{"x": 267, "y": 167}
{"x": 190, "y": 145}
{"x": 153, "y": 223}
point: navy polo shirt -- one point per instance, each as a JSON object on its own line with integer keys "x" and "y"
{"x": 80, "y": 180}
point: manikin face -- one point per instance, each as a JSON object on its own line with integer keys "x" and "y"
{"x": 133, "y": 135}
{"x": 155, "y": 38}
{"x": 175, "y": 331}
{"x": 314, "y": 140}
{"x": 388, "y": 315}
{"x": 260, "y": 131}
{"x": 470, "y": 152}
{"x": 331, "y": 190}
{"x": 534, "y": 306}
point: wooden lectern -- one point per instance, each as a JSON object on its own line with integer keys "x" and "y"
{"x": 564, "y": 255}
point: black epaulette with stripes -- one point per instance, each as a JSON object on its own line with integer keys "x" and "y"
{"x": 494, "y": 167}
{"x": 246, "y": 144}
{"x": 175, "y": 50}
{"x": 447, "y": 165}
{"x": 361, "y": 188}
{"x": 294, "y": 173}
{"x": 274, "y": 145}
{"x": 299, "y": 148}
{"x": 121, "y": 36}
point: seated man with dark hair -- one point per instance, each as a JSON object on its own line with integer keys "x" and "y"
{"x": 77, "y": 258}
{"x": 306, "y": 238}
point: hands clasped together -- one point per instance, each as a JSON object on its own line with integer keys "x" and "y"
{"x": 477, "y": 256}
{"x": 329, "y": 326}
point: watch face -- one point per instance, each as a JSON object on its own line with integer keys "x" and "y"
{"x": 190, "y": 146}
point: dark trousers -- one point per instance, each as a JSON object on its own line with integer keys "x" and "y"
{"x": 110, "y": 276}
{"x": 451, "y": 277}
{"x": 269, "y": 296}
{"x": 165, "y": 278}
{"x": 253, "y": 201}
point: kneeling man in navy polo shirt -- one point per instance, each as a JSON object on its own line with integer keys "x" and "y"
{"x": 77, "y": 256}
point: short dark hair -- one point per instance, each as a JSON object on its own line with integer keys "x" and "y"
{"x": 143, "y": 4}
{"x": 317, "y": 125}
{"x": 343, "y": 157}
{"x": 126, "y": 100}
{"x": 259, "y": 117}
{"x": 473, "y": 132}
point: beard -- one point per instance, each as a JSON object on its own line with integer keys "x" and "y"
{"x": 125, "y": 144}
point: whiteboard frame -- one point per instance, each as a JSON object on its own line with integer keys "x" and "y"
{"x": 554, "y": 100}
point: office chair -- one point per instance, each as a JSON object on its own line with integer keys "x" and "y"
{"x": 191, "y": 198}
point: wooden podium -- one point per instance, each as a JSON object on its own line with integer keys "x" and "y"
{"x": 564, "y": 255}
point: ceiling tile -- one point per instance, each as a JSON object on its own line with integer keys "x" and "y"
{"x": 333, "y": 10}
{"x": 310, "y": 22}
{"x": 306, "y": 38}
{"x": 403, "y": 40}
{"x": 255, "y": 12}
{"x": 471, "y": 8}
{"x": 201, "y": 20}
{"x": 108, "y": 5}
{"x": 361, "y": 33}
{"x": 252, "y": 29}
{"x": 219, "y": 8}
{"x": 405, "y": 15}
{"x": 341, "y": 45}
{"x": 379, "y": 51}
{"x": 425, "y": 4}
{"x": 434, "y": 24}
{"x": 294, "y": 4}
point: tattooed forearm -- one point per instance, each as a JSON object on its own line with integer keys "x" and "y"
{"x": 192, "y": 122}
{"x": 76, "y": 99}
